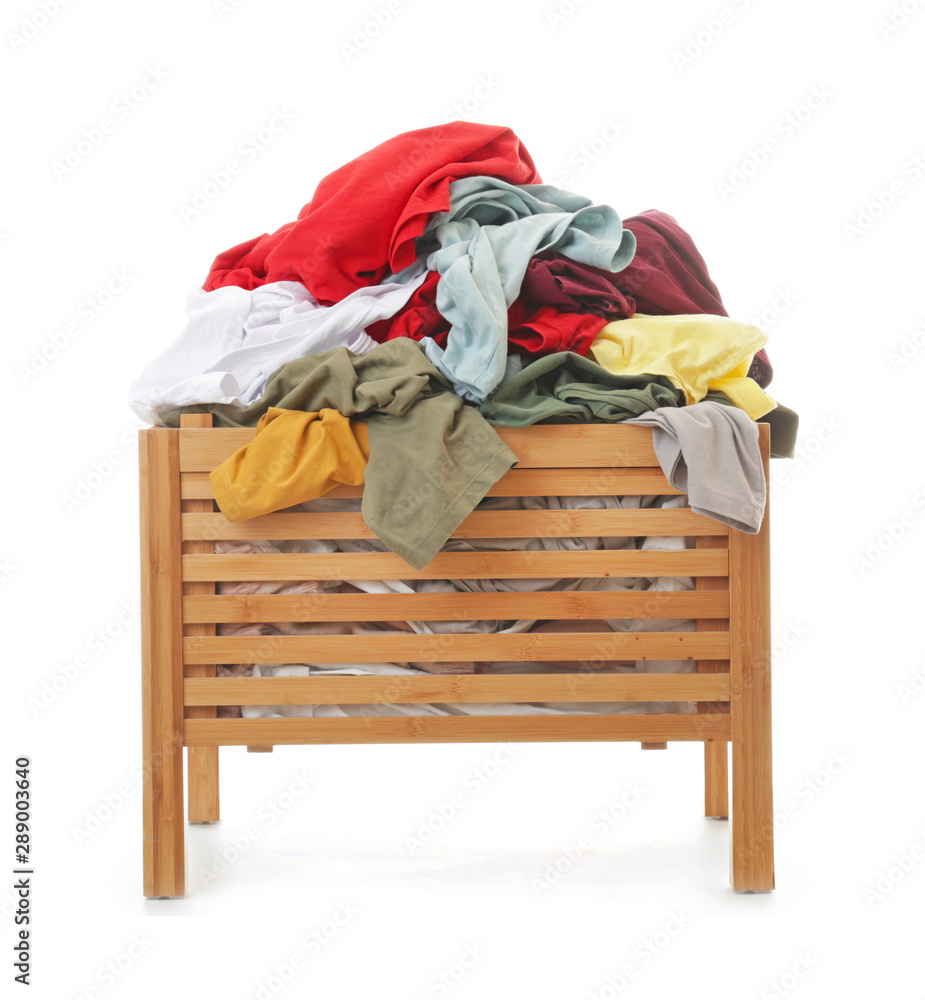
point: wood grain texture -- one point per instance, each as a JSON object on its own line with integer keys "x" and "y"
{"x": 458, "y": 729}
{"x": 453, "y": 689}
{"x": 457, "y": 565}
{"x": 544, "y": 446}
{"x": 715, "y": 754}
{"x": 389, "y": 647}
{"x": 731, "y": 646}
{"x": 752, "y": 841}
{"x": 480, "y": 524}
{"x": 543, "y": 604}
{"x": 161, "y": 665}
{"x": 202, "y": 783}
{"x": 584, "y": 482}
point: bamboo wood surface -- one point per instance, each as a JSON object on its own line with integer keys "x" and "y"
{"x": 715, "y": 754}
{"x": 569, "y": 460}
{"x": 480, "y": 524}
{"x": 752, "y": 841}
{"x": 543, "y": 446}
{"x": 389, "y": 647}
{"x": 454, "y": 689}
{"x": 161, "y": 665}
{"x": 457, "y": 565}
{"x": 607, "y": 481}
{"x": 542, "y": 604}
{"x": 457, "y": 729}
{"x": 202, "y": 783}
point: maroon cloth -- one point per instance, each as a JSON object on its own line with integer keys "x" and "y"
{"x": 554, "y": 280}
{"x": 365, "y": 217}
{"x": 666, "y": 277}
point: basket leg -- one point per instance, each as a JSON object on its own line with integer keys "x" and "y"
{"x": 752, "y": 840}
{"x": 201, "y": 762}
{"x": 202, "y": 777}
{"x": 715, "y": 753}
{"x": 716, "y": 779}
{"x": 162, "y": 665}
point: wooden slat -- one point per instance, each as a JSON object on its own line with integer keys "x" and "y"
{"x": 516, "y": 483}
{"x": 161, "y": 665}
{"x": 389, "y": 647}
{"x": 715, "y": 754}
{"x": 457, "y": 729}
{"x": 202, "y": 786}
{"x": 454, "y": 689}
{"x": 480, "y": 524}
{"x": 457, "y": 565}
{"x": 541, "y": 446}
{"x": 752, "y": 841}
{"x": 566, "y": 446}
{"x": 543, "y": 604}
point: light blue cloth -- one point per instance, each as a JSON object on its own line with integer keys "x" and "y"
{"x": 434, "y": 354}
{"x": 481, "y": 247}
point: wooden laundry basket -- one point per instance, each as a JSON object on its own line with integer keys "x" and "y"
{"x": 180, "y": 649}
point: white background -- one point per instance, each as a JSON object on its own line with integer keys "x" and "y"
{"x": 694, "y": 92}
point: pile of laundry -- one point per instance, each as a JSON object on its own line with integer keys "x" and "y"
{"x": 433, "y": 289}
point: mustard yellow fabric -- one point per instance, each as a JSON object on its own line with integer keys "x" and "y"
{"x": 296, "y": 456}
{"x": 698, "y": 353}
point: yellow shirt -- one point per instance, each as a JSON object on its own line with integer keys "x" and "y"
{"x": 295, "y": 456}
{"x": 698, "y": 353}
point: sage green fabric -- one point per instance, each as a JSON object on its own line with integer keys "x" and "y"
{"x": 565, "y": 388}
{"x": 432, "y": 458}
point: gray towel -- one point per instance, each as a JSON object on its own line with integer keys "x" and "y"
{"x": 711, "y": 452}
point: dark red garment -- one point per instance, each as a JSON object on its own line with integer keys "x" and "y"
{"x": 666, "y": 277}
{"x": 554, "y": 280}
{"x": 365, "y": 217}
